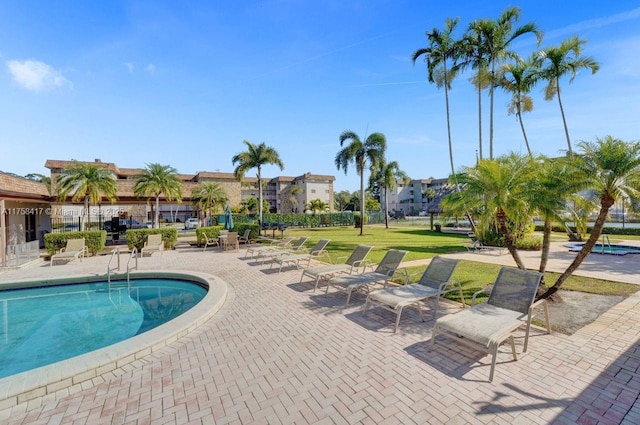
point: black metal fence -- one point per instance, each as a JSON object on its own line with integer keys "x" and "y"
{"x": 96, "y": 222}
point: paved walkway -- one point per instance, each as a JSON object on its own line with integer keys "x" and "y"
{"x": 279, "y": 353}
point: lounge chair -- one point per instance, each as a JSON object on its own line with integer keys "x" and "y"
{"x": 364, "y": 281}
{"x": 209, "y": 242}
{"x": 245, "y": 238}
{"x": 476, "y": 246}
{"x": 355, "y": 261}
{"x": 296, "y": 259}
{"x": 273, "y": 244}
{"x": 153, "y": 244}
{"x": 232, "y": 241}
{"x": 489, "y": 324}
{"x": 74, "y": 249}
{"x": 435, "y": 282}
{"x": 294, "y": 248}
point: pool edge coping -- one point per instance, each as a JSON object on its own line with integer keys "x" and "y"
{"x": 25, "y": 386}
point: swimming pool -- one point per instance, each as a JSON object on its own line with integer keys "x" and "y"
{"x": 607, "y": 249}
{"x": 48, "y": 379}
{"x": 43, "y": 325}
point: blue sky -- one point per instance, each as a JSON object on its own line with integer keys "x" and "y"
{"x": 184, "y": 83}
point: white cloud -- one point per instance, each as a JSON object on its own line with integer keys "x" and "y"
{"x": 151, "y": 69}
{"x": 35, "y": 75}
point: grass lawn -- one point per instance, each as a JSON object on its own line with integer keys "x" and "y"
{"x": 422, "y": 243}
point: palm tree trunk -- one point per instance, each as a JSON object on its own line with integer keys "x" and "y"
{"x": 491, "y": 90}
{"x": 260, "y": 200}
{"x": 362, "y": 200}
{"x": 546, "y": 245}
{"x": 446, "y": 99}
{"x": 524, "y": 133}
{"x": 508, "y": 239}
{"x": 156, "y": 223}
{"x": 386, "y": 207}
{"x": 479, "y": 119}
{"x": 86, "y": 212}
{"x": 564, "y": 120}
{"x": 605, "y": 204}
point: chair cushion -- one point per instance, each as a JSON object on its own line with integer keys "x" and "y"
{"x": 402, "y": 295}
{"x": 482, "y": 323}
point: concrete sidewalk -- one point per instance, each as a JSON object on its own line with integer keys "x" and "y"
{"x": 279, "y": 353}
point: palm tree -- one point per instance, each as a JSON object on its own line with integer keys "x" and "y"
{"x": 497, "y": 35}
{"x": 474, "y": 55}
{"x": 290, "y": 198}
{"x": 209, "y": 197}
{"x": 156, "y": 180}
{"x": 386, "y": 176}
{"x": 562, "y": 60}
{"x": 443, "y": 48}
{"x": 256, "y": 156}
{"x": 518, "y": 79}
{"x": 611, "y": 168}
{"x": 498, "y": 189}
{"x": 372, "y": 150}
{"x": 317, "y": 205}
{"x": 87, "y": 182}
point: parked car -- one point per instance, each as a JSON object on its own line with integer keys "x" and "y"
{"x": 191, "y": 223}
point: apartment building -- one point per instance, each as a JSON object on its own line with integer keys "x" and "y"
{"x": 413, "y": 198}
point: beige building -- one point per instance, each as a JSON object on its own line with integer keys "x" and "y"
{"x": 313, "y": 186}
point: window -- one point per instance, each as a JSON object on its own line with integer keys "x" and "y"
{"x": 313, "y": 191}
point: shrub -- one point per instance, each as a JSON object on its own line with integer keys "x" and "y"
{"x": 138, "y": 237}
{"x": 529, "y": 243}
{"x": 94, "y": 240}
{"x": 356, "y": 219}
{"x": 212, "y": 232}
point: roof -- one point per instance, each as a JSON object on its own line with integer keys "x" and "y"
{"x": 21, "y": 188}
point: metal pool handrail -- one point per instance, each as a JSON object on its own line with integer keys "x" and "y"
{"x": 606, "y": 237}
{"x": 133, "y": 254}
{"x": 109, "y": 268}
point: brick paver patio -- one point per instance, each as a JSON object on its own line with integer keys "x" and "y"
{"x": 278, "y": 353}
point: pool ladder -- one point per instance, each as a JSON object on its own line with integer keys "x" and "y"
{"x": 608, "y": 243}
{"x": 110, "y": 268}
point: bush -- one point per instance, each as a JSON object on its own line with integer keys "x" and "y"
{"x": 240, "y": 228}
{"x": 356, "y": 219}
{"x": 138, "y": 237}
{"x": 212, "y": 232}
{"x": 529, "y": 243}
{"x": 94, "y": 240}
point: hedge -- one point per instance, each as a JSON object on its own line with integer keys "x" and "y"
{"x": 605, "y": 230}
{"x": 138, "y": 237}
{"x": 94, "y": 240}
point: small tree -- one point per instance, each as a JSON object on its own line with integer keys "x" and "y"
{"x": 156, "y": 180}
{"x": 209, "y": 197}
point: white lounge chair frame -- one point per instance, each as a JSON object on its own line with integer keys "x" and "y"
{"x": 295, "y": 247}
{"x": 296, "y": 259}
{"x": 209, "y": 242}
{"x": 355, "y": 262}
{"x": 273, "y": 244}
{"x": 153, "y": 244}
{"x": 385, "y": 271}
{"x": 435, "y": 282}
{"x": 74, "y": 249}
{"x": 487, "y": 325}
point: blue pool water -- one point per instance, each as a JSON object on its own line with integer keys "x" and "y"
{"x": 44, "y": 325}
{"x": 607, "y": 249}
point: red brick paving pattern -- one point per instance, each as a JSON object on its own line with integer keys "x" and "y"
{"x": 279, "y": 353}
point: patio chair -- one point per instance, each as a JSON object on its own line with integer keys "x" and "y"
{"x": 487, "y": 325}
{"x": 232, "y": 241}
{"x": 356, "y": 260}
{"x": 153, "y": 244}
{"x": 434, "y": 283}
{"x": 296, "y": 259}
{"x": 364, "y": 281}
{"x": 73, "y": 250}
{"x": 476, "y": 246}
{"x": 256, "y": 250}
{"x": 245, "y": 237}
{"x": 209, "y": 242}
{"x": 296, "y": 247}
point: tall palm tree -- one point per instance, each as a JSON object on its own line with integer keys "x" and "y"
{"x": 370, "y": 153}
{"x": 87, "y": 182}
{"x": 474, "y": 55}
{"x": 386, "y": 175}
{"x": 256, "y": 156}
{"x": 611, "y": 168}
{"x": 517, "y": 79}
{"x": 498, "y": 189}
{"x": 497, "y": 36}
{"x": 560, "y": 61}
{"x": 210, "y": 197}
{"x": 156, "y": 180}
{"x": 443, "y": 48}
